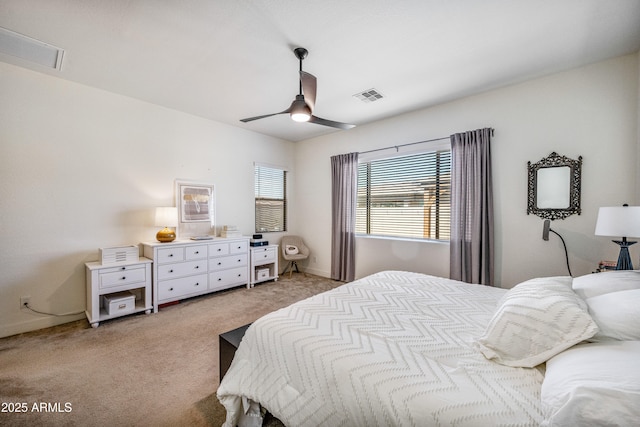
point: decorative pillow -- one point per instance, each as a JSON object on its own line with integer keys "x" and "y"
{"x": 593, "y": 384}
{"x": 617, "y": 315}
{"x": 592, "y": 285}
{"x": 534, "y": 321}
{"x": 291, "y": 249}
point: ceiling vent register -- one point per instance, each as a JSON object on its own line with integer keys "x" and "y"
{"x": 369, "y": 95}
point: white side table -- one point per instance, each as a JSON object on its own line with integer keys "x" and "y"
{"x": 107, "y": 279}
{"x": 264, "y": 263}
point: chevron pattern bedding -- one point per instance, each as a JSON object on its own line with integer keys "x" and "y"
{"x": 391, "y": 349}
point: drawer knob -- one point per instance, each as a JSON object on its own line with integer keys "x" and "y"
{"x": 170, "y": 255}
{"x": 171, "y": 271}
{"x": 219, "y": 249}
{"x": 170, "y": 289}
{"x": 197, "y": 284}
{"x": 124, "y": 278}
{"x": 219, "y": 263}
{"x": 197, "y": 267}
{"x": 124, "y": 268}
{"x": 219, "y": 279}
{"x": 197, "y": 252}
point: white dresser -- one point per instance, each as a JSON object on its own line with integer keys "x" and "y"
{"x": 187, "y": 268}
{"x": 264, "y": 263}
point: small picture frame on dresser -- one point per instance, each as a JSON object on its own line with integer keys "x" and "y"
{"x": 196, "y": 202}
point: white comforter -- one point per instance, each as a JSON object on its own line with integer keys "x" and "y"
{"x": 391, "y": 349}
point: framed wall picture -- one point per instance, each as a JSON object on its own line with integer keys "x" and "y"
{"x": 196, "y": 203}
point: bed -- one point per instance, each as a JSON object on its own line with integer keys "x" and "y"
{"x": 407, "y": 349}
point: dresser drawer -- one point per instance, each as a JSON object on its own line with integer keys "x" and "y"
{"x": 170, "y": 255}
{"x": 174, "y": 289}
{"x": 224, "y": 278}
{"x": 264, "y": 256}
{"x": 218, "y": 249}
{"x": 117, "y": 276}
{"x": 195, "y": 252}
{"x": 171, "y": 271}
{"x": 227, "y": 262}
{"x": 238, "y": 247}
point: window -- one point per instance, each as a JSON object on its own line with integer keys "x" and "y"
{"x": 406, "y": 196}
{"x": 271, "y": 198}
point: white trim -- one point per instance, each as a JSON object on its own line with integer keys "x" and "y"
{"x": 269, "y": 165}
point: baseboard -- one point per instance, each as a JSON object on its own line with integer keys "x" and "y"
{"x": 36, "y": 324}
{"x": 317, "y": 272}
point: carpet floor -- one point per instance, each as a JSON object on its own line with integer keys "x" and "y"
{"x": 140, "y": 370}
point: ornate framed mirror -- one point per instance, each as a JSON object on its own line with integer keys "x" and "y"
{"x": 554, "y": 187}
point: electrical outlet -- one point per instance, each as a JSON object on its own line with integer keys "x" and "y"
{"x": 24, "y": 301}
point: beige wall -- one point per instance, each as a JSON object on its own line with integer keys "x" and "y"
{"x": 590, "y": 111}
{"x": 82, "y": 169}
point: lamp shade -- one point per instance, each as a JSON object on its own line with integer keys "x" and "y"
{"x": 618, "y": 221}
{"x": 166, "y": 217}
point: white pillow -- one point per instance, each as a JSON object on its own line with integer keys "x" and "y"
{"x": 291, "y": 250}
{"x": 592, "y": 285}
{"x": 593, "y": 384}
{"x": 534, "y": 321}
{"x": 617, "y": 315}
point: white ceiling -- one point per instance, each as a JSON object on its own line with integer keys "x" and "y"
{"x": 230, "y": 59}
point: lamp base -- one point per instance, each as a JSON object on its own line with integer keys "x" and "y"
{"x": 624, "y": 259}
{"x": 166, "y": 235}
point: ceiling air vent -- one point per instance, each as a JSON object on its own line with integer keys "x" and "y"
{"x": 369, "y": 95}
{"x": 30, "y": 50}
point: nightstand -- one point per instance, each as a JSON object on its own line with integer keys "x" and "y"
{"x": 264, "y": 263}
{"x": 111, "y": 286}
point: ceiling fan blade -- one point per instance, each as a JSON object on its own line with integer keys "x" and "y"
{"x": 250, "y": 119}
{"x": 331, "y": 123}
{"x": 309, "y": 87}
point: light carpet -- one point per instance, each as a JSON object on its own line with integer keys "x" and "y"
{"x": 140, "y": 370}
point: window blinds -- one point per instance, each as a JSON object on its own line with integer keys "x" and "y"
{"x": 405, "y": 196}
{"x": 270, "y": 198}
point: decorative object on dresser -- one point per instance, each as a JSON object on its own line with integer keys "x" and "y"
{"x": 187, "y": 268}
{"x": 196, "y": 202}
{"x": 230, "y": 231}
{"x": 166, "y": 217}
{"x": 623, "y": 221}
{"x": 264, "y": 263}
{"x": 117, "y": 288}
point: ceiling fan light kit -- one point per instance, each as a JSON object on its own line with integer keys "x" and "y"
{"x": 301, "y": 109}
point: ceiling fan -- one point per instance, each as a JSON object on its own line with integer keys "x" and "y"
{"x": 301, "y": 109}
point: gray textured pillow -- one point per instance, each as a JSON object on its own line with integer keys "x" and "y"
{"x": 534, "y": 321}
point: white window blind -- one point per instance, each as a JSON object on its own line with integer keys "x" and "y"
{"x": 271, "y": 199}
{"x": 406, "y": 196}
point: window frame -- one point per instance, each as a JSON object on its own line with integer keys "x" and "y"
{"x": 403, "y": 151}
{"x": 264, "y": 198}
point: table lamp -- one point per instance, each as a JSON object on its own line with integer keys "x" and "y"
{"x": 166, "y": 217}
{"x": 621, "y": 221}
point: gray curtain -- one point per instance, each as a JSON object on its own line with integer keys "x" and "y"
{"x": 344, "y": 188}
{"x": 471, "y": 207}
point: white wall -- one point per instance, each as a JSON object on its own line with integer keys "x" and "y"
{"x": 82, "y": 169}
{"x": 591, "y": 112}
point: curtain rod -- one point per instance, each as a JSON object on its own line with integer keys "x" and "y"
{"x": 411, "y": 143}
